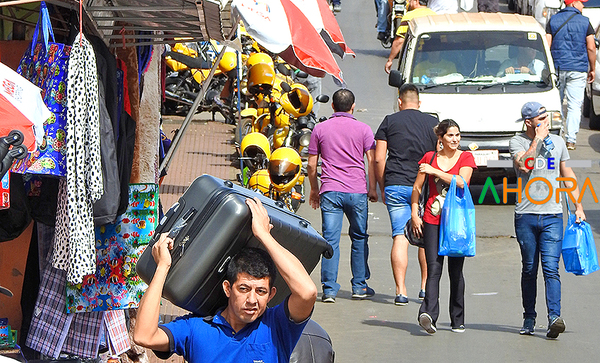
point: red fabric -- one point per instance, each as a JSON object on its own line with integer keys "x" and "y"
{"x": 332, "y": 28}
{"x": 308, "y": 46}
{"x": 12, "y": 119}
{"x": 465, "y": 159}
{"x": 126, "y": 103}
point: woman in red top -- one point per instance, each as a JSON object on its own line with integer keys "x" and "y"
{"x": 449, "y": 161}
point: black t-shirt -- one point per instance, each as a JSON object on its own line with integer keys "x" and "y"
{"x": 409, "y": 135}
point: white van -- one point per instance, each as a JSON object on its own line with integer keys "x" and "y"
{"x": 462, "y": 66}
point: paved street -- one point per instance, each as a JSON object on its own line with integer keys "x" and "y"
{"x": 377, "y": 331}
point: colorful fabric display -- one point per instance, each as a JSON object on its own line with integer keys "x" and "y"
{"x": 116, "y": 285}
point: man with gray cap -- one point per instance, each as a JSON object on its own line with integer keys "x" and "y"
{"x": 538, "y": 214}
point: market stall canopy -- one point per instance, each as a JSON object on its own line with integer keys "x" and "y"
{"x": 195, "y": 20}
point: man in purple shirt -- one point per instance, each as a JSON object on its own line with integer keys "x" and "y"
{"x": 342, "y": 142}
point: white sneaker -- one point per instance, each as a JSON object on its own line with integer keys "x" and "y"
{"x": 459, "y": 329}
{"x": 426, "y": 323}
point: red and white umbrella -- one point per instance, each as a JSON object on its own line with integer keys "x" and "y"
{"x": 321, "y": 17}
{"x": 282, "y": 28}
{"x": 21, "y": 108}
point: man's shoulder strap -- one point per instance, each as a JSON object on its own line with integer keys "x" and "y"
{"x": 563, "y": 24}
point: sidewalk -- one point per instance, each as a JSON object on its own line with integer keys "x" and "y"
{"x": 207, "y": 147}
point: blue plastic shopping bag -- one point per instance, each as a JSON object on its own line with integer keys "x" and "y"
{"x": 579, "y": 248}
{"x": 457, "y": 224}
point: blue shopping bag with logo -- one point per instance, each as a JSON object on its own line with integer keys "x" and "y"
{"x": 457, "y": 224}
{"x": 578, "y": 247}
{"x": 45, "y": 64}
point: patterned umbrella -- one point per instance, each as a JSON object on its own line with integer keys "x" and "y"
{"x": 283, "y": 28}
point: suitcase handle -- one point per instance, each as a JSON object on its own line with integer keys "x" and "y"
{"x": 224, "y": 264}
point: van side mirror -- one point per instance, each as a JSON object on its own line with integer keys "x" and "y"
{"x": 395, "y": 79}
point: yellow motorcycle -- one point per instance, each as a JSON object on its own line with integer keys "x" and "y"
{"x": 188, "y": 69}
{"x": 283, "y": 180}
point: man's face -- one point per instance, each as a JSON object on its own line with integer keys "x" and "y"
{"x": 526, "y": 55}
{"x": 248, "y": 298}
{"x": 542, "y": 120}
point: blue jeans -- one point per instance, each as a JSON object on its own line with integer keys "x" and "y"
{"x": 383, "y": 9}
{"x": 540, "y": 235}
{"x": 333, "y": 207}
{"x": 572, "y": 85}
{"x": 397, "y": 201}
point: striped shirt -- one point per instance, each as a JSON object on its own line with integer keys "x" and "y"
{"x": 416, "y": 13}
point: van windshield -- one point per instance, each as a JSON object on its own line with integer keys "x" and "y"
{"x": 484, "y": 59}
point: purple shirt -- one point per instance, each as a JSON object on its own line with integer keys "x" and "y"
{"x": 342, "y": 142}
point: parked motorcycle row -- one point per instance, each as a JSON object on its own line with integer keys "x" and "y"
{"x": 276, "y": 119}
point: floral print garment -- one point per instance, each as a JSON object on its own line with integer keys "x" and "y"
{"x": 115, "y": 283}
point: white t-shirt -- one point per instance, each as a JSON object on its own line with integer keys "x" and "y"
{"x": 443, "y": 6}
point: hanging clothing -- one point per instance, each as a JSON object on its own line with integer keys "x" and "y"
{"x": 115, "y": 284}
{"x": 116, "y": 329}
{"x": 148, "y": 130}
{"x": 84, "y": 183}
{"x": 52, "y": 330}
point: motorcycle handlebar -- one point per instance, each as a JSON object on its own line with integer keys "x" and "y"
{"x": 191, "y": 62}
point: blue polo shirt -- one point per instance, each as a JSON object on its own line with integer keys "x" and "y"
{"x": 270, "y": 338}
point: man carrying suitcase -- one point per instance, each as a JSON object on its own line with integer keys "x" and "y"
{"x": 342, "y": 143}
{"x": 245, "y": 330}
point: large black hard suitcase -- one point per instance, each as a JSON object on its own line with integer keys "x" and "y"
{"x": 210, "y": 224}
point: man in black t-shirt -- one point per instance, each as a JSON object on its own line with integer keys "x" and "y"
{"x": 405, "y": 137}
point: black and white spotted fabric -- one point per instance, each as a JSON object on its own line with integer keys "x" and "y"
{"x": 75, "y": 249}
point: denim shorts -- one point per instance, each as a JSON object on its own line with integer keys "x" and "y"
{"x": 397, "y": 200}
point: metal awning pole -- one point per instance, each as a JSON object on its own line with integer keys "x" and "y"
{"x": 188, "y": 118}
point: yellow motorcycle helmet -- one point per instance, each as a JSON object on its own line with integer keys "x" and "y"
{"x": 260, "y": 181}
{"x": 228, "y": 62}
{"x": 256, "y": 150}
{"x": 260, "y": 78}
{"x": 285, "y": 167}
{"x": 257, "y": 58}
{"x": 298, "y": 101}
{"x": 279, "y": 136}
{"x": 282, "y": 119}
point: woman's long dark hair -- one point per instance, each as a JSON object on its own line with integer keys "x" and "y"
{"x": 442, "y": 128}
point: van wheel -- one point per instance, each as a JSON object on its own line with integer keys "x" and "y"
{"x": 594, "y": 118}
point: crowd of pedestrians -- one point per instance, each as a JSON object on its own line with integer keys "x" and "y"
{"x": 408, "y": 150}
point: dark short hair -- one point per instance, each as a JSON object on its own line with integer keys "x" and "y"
{"x": 442, "y": 128}
{"x": 343, "y": 99}
{"x": 253, "y": 261}
{"x": 408, "y": 93}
